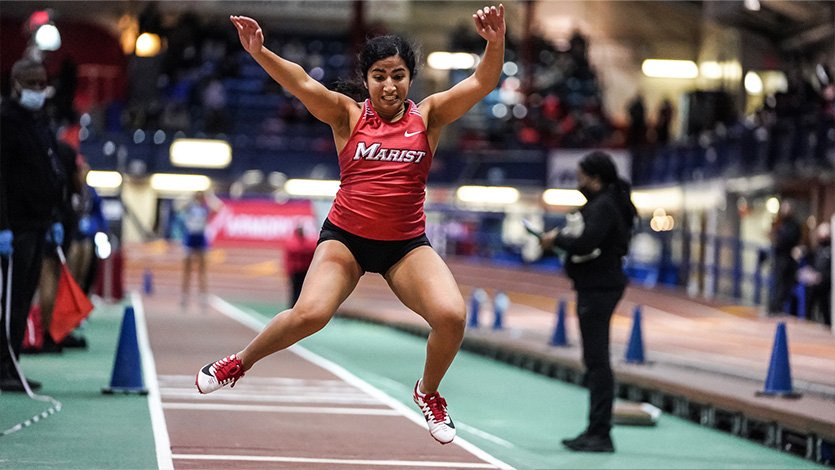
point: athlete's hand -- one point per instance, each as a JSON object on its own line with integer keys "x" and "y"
{"x": 250, "y": 33}
{"x": 489, "y": 22}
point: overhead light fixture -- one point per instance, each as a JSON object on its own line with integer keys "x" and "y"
{"x": 104, "y": 179}
{"x": 657, "y": 68}
{"x": 671, "y": 198}
{"x": 200, "y": 153}
{"x": 710, "y": 69}
{"x": 563, "y": 197}
{"x": 148, "y": 45}
{"x": 168, "y": 182}
{"x": 311, "y": 188}
{"x": 772, "y": 205}
{"x": 47, "y": 38}
{"x": 441, "y": 60}
{"x": 753, "y": 83}
{"x": 487, "y": 194}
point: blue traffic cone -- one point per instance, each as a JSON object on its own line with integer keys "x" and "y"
{"x": 148, "y": 282}
{"x": 635, "y": 348}
{"x": 779, "y": 378}
{"x": 127, "y": 367}
{"x": 477, "y": 298}
{"x": 500, "y": 304}
{"x": 559, "y": 339}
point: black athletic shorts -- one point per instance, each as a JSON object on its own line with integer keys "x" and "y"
{"x": 376, "y": 256}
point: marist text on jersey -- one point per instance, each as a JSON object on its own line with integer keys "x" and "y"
{"x": 378, "y": 152}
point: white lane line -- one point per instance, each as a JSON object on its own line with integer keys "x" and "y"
{"x": 247, "y": 319}
{"x": 486, "y": 435}
{"x": 385, "y": 463}
{"x": 281, "y": 409}
{"x": 257, "y": 324}
{"x": 283, "y": 382}
{"x": 149, "y": 372}
{"x": 191, "y": 395}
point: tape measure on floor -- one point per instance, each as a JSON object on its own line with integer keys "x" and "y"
{"x": 55, "y": 405}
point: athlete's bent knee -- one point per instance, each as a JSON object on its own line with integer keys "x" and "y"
{"x": 310, "y": 320}
{"x": 451, "y": 320}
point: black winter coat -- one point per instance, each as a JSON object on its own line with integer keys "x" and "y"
{"x": 31, "y": 177}
{"x": 606, "y": 229}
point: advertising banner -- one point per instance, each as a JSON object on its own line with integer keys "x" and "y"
{"x": 260, "y": 223}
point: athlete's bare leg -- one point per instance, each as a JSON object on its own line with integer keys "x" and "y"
{"x": 332, "y": 276}
{"x": 424, "y": 283}
{"x": 202, "y": 276}
{"x": 186, "y": 272}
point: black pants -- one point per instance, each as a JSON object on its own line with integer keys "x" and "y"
{"x": 818, "y": 303}
{"x": 27, "y": 260}
{"x": 785, "y": 277}
{"x": 594, "y": 310}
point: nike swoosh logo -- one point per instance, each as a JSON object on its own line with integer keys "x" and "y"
{"x": 409, "y": 134}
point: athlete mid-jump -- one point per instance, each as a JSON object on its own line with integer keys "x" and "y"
{"x": 376, "y": 224}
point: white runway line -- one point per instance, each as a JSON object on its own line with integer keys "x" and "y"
{"x": 280, "y": 409}
{"x": 169, "y": 393}
{"x": 258, "y": 324}
{"x": 149, "y": 373}
{"x": 384, "y": 463}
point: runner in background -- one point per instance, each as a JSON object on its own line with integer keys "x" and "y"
{"x": 385, "y": 143}
{"x": 195, "y": 220}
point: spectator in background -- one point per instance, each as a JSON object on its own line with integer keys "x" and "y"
{"x": 214, "y": 106}
{"x": 594, "y": 264}
{"x": 785, "y": 235}
{"x": 820, "y": 289}
{"x": 31, "y": 178}
{"x": 63, "y": 103}
{"x": 663, "y": 122}
{"x": 51, "y": 271}
{"x": 82, "y": 256}
{"x": 636, "y": 134}
{"x": 298, "y": 254}
{"x": 195, "y": 218}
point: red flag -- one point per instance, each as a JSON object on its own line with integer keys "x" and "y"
{"x": 71, "y": 306}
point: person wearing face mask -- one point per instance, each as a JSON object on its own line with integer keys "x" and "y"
{"x": 594, "y": 264}
{"x": 31, "y": 179}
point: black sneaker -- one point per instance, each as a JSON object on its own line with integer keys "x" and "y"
{"x": 73, "y": 341}
{"x": 590, "y": 443}
{"x": 13, "y": 384}
{"x": 50, "y": 346}
{"x": 580, "y": 438}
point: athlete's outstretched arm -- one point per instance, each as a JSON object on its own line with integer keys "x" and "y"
{"x": 447, "y": 106}
{"x": 326, "y": 105}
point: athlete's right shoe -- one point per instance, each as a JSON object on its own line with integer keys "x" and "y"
{"x": 434, "y": 410}
{"x": 218, "y": 374}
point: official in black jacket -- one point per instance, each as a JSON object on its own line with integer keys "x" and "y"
{"x": 31, "y": 179}
{"x": 594, "y": 263}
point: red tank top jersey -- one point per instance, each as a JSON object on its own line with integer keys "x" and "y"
{"x": 383, "y": 171}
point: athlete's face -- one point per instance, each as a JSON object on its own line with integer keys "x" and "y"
{"x": 388, "y": 82}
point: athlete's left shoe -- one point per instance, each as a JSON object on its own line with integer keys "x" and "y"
{"x": 434, "y": 410}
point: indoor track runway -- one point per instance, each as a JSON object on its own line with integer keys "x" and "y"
{"x": 340, "y": 399}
